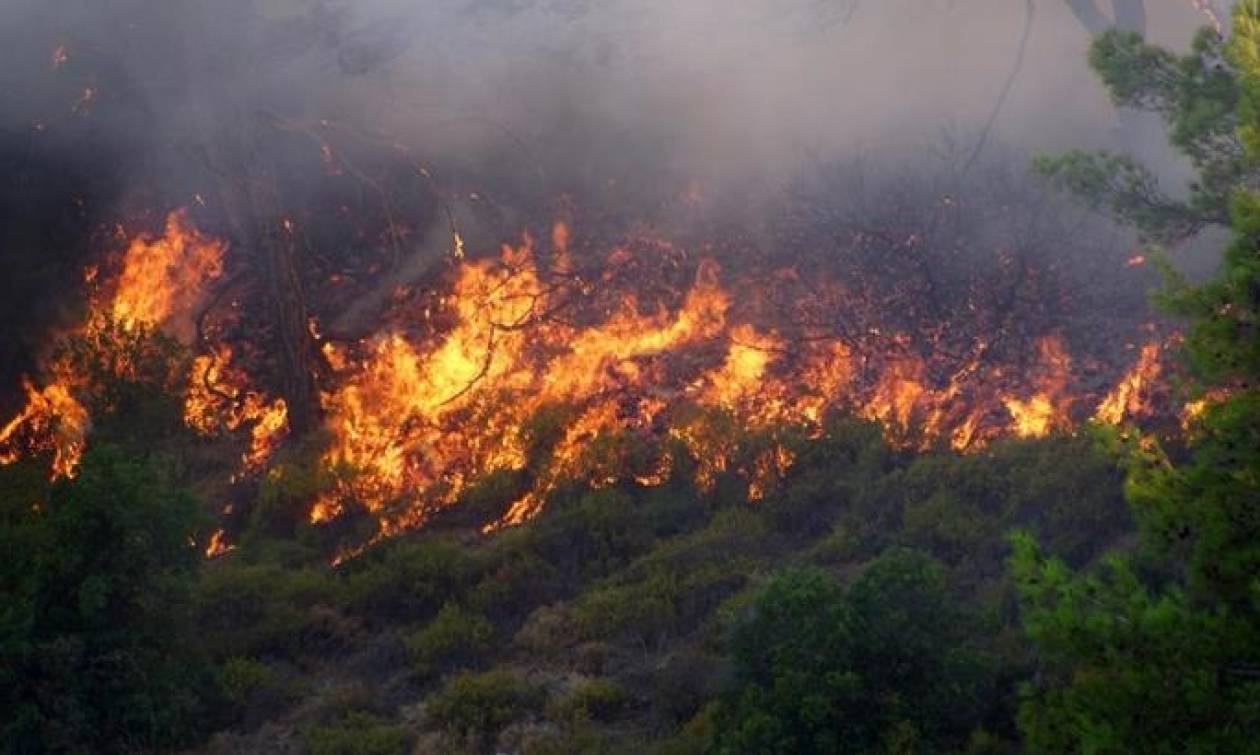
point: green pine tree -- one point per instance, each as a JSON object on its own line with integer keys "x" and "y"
{"x": 1157, "y": 650}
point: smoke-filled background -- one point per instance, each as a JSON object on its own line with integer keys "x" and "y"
{"x": 498, "y": 111}
{"x": 705, "y": 88}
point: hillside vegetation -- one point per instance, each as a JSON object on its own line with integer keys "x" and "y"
{"x": 1087, "y": 592}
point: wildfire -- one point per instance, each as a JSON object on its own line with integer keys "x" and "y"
{"x": 164, "y": 278}
{"x": 160, "y": 283}
{"x": 415, "y": 419}
{"x": 219, "y": 399}
{"x": 1049, "y": 409}
{"x": 742, "y": 375}
{"x": 52, "y": 421}
{"x": 218, "y": 545}
{"x": 1130, "y": 399}
{"x": 600, "y": 374}
{"x": 897, "y": 394}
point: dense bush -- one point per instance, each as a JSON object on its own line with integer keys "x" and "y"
{"x": 408, "y": 580}
{"x": 266, "y": 610}
{"x": 960, "y": 507}
{"x": 821, "y": 668}
{"x": 251, "y": 692}
{"x": 358, "y": 734}
{"x": 474, "y": 707}
{"x": 515, "y": 578}
{"x": 96, "y": 644}
{"x": 454, "y": 638}
{"x": 589, "y": 699}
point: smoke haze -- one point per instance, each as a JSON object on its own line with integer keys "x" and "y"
{"x": 569, "y": 89}
{"x": 118, "y": 111}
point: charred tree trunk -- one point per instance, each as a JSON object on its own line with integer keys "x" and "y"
{"x": 239, "y": 163}
{"x": 298, "y": 354}
{"x": 249, "y": 202}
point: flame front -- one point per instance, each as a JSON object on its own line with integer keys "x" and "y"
{"x": 219, "y": 399}
{"x": 416, "y": 419}
{"x": 425, "y": 422}
{"x": 604, "y": 375}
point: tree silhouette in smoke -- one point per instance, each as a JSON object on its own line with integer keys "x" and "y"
{"x": 1127, "y": 15}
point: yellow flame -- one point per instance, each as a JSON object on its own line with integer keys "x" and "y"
{"x": 1049, "y": 409}
{"x": 161, "y": 282}
{"x": 163, "y": 279}
{"x": 1129, "y": 399}
{"x": 52, "y": 421}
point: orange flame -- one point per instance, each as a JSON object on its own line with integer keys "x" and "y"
{"x": 394, "y": 420}
{"x": 51, "y": 421}
{"x": 163, "y": 279}
{"x": 1130, "y": 398}
{"x": 218, "y": 545}
{"x": 219, "y": 399}
{"x": 161, "y": 282}
{"x": 415, "y": 420}
{"x": 531, "y": 368}
{"x": 1049, "y": 409}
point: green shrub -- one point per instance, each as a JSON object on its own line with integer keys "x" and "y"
{"x": 487, "y": 499}
{"x": 358, "y": 734}
{"x": 578, "y": 739}
{"x": 842, "y": 545}
{"x": 475, "y": 707}
{"x": 678, "y": 585}
{"x": 548, "y": 630}
{"x": 454, "y": 638}
{"x": 130, "y": 380}
{"x": 735, "y": 536}
{"x": 266, "y": 611}
{"x": 642, "y": 610}
{"x": 239, "y": 678}
{"x": 252, "y": 691}
{"x": 408, "y": 581}
{"x": 295, "y": 478}
{"x": 949, "y": 527}
{"x": 98, "y": 647}
{"x": 695, "y": 738}
{"x": 1065, "y": 488}
{"x": 884, "y": 664}
{"x": 683, "y": 683}
{"x": 515, "y": 579}
{"x": 589, "y": 700}
{"x": 592, "y": 535}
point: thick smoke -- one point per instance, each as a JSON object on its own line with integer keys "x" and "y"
{"x": 567, "y": 88}
{"x": 113, "y": 109}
